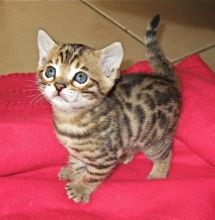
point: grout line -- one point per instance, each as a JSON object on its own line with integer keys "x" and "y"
{"x": 196, "y": 51}
{"x": 130, "y": 33}
{"x": 137, "y": 38}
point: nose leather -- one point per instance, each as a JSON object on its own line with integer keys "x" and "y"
{"x": 59, "y": 86}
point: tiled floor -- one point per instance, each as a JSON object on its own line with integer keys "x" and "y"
{"x": 186, "y": 27}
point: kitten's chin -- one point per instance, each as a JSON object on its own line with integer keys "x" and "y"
{"x": 61, "y": 104}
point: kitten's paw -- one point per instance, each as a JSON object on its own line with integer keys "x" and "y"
{"x": 77, "y": 193}
{"x": 64, "y": 174}
{"x": 154, "y": 177}
{"x": 160, "y": 169}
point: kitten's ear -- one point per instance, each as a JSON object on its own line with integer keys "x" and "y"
{"x": 45, "y": 45}
{"x": 111, "y": 59}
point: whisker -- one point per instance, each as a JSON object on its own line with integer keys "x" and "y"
{"x": 35, "y": 100}
{"x": 39, "y": 99}
{"x": 37, "y": 96}
{"x": 29, "y": 80}
{"x": 34, "y": 95}
{"x": 34, "y": 84}
{"x": 33, "y": 89}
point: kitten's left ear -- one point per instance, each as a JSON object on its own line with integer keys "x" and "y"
{"x": 111, "y": 59}
{"x": 45, "y": 45}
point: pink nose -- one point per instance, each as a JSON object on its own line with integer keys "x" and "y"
{"x": 59, "y": 86}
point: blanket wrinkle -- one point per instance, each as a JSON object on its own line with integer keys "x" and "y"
{"x": 31, "y": 157}
{"x": 198, "y": 154}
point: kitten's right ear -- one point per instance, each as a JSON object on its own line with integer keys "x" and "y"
{"x": 45, "y": 45}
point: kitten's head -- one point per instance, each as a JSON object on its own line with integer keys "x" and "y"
{"x": 74, "y": 76}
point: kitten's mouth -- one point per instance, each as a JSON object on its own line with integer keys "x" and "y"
{"x": 62, "y": 102}
{"x": 74, "y": 106}
{"x": 61, "y": 98}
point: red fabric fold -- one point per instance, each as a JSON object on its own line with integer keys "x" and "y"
{"x": 30, "y": 158}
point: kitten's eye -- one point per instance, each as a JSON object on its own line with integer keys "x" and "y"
{"x": 50, "y": 72}
{"x": 80, "y": 77}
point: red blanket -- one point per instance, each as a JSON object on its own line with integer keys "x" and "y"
{"x": 30, "y": 158}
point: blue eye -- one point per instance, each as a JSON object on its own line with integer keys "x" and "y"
{"x": 80, "y": 77}
{"x": 50, "y": 72}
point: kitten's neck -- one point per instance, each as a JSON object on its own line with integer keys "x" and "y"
{"x": 75, "y": 116}
{"x": 85, "y": 114}
{"x": 69, "y": 114}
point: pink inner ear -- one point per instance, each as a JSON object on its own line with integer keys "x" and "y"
{"x": 45, "y": 45}
{"x": 111, "y": 58}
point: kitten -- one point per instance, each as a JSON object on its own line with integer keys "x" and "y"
{"x": 103, "y": 118}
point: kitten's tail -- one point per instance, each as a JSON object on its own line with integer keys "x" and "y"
{"x": 157, "y": 58}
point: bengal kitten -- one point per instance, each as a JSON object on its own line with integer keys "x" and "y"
{"x": 103, "y": 118}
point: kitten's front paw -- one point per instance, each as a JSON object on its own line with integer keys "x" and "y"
{"x": 64, "y": 174}
{"x": 77, "y": 193}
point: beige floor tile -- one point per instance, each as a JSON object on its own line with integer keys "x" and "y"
{"x": 67, "y": 21}
{"x": 187, "y": 26}
{"x": 209, "y": 57}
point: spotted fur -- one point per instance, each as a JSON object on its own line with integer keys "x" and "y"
{"x": 111, "y": 117}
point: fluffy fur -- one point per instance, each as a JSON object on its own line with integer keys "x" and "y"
{"x": 109, "y": 117}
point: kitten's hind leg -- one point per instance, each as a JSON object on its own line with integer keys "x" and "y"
{"x": 160, "y": 168}
{"x": 160, "y": 153}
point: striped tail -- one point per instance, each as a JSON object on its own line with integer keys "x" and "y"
{"x": 159, "y": 62}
